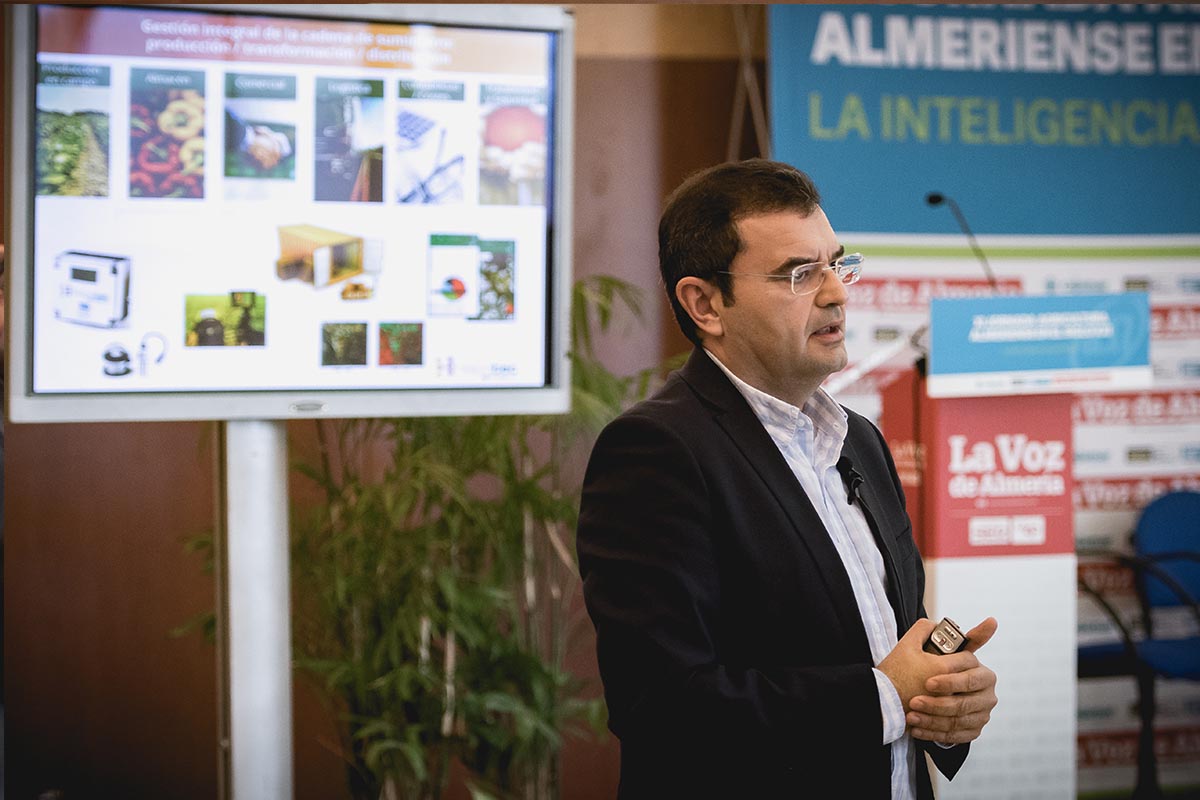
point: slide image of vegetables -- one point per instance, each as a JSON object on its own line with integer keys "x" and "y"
{"x": 496, "y": 279}
{"x": 344, "y": 344}
{"x": 166, "y": 134}
{"x": 237, "y": 318}
{"x": 350, "y": 133}
{"x": 72, "y": 133}
{"x": 512, "y": 157}
{"x": 401, "y": 343}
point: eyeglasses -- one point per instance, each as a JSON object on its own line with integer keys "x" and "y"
{"x": 807, "y": 278}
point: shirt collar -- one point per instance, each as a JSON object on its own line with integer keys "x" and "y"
{"x": 821, "y": 424}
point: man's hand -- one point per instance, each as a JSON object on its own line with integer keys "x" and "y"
{"x": 910, "y": 668}
{"x": 954, "y": 706}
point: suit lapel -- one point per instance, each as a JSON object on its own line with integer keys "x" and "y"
{"x": 735, "y": 417}
{"x": 884, "y": 539}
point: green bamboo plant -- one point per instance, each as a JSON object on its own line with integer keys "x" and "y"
{"x": 435, "y": 586}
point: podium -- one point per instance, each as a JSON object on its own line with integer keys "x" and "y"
{"x": 988, "y": 482}
{"x": 983, "y": 445}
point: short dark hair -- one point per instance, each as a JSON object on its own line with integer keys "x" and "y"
{"x": 697, "y": 234}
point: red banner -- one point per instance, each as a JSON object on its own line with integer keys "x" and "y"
{"x": 1175, "y": 322}
{"x": 1137, "y": 408}
{"x": 999, "y": 476}
{"x": 1127, "y": 494}
{"x": 913, "y": 294}
{"x": 1119, "y": 748}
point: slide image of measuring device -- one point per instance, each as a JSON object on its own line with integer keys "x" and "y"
{"x": 93, "y": 288}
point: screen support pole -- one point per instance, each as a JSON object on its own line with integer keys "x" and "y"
{"x": 260, "y": 679}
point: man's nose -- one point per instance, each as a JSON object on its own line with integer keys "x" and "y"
{"x": 832, "y": 291}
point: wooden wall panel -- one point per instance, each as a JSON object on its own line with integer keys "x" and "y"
{"x": 100, "y": 700}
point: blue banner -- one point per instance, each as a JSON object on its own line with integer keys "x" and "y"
{"x": 1069, "y": 119}
{"x": 1040, "y": 344}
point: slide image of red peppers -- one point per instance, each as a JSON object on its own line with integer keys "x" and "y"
{"x": 166, "y": 134}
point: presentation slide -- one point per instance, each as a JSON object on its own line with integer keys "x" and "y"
{"x": 226, "y": 202}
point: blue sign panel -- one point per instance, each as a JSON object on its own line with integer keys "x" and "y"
{"x": 1039, "y": 345}
{"x": 1067, "y": 119}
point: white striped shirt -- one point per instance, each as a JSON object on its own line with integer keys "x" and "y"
{"x": 811, "y": 440}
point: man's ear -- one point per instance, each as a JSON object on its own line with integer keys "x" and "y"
{"x": 703, "y": 303}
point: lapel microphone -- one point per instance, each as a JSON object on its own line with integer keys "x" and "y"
{"x": 851, "y": 479}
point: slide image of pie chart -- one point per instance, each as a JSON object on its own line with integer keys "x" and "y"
{"x": 453, "y": 289}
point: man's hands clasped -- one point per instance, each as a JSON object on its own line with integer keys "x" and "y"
{"x": 948, "y": 698}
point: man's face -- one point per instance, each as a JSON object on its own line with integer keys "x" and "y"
{"x": 781, "y": 343}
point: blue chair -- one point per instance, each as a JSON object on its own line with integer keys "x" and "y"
{"x": 1166, "y": 565}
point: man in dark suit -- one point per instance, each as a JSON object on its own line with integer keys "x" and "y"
{"x": 746, "y": 555}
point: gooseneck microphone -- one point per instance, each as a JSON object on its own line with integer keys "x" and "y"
{"x": 936, "y": 199}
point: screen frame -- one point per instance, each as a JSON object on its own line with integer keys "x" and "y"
{"x": 23, "y": 405}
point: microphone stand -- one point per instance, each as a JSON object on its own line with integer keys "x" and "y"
{"x": 936, "y": 199}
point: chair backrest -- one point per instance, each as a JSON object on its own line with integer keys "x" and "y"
{"x": 1171, "y": 524}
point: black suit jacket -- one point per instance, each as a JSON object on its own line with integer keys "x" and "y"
{"x": 734, "y": 659}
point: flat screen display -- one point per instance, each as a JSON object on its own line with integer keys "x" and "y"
{"x": 272, "y": 213}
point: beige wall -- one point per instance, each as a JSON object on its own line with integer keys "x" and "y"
{"x": 681, "y": 31}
